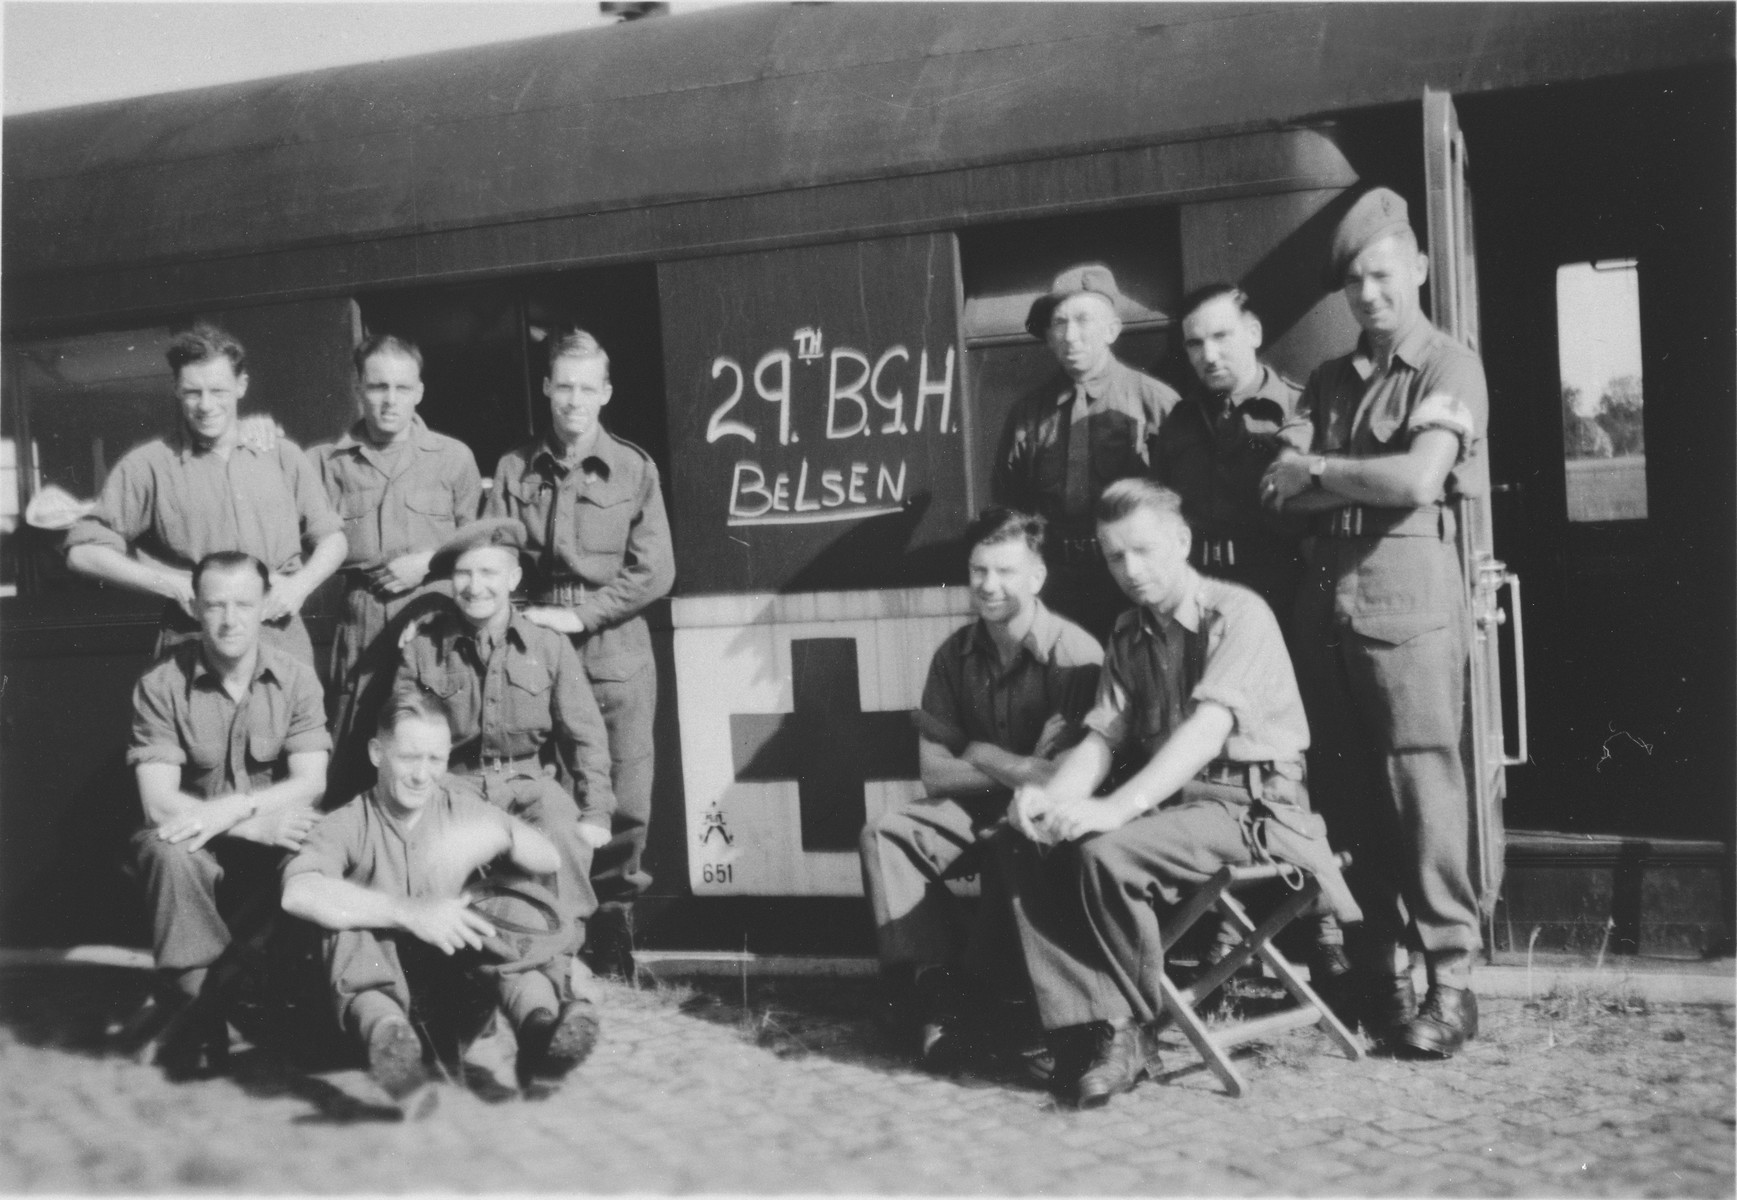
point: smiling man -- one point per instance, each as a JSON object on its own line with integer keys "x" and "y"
{"x": 599, "y": 544}
{"x": 1004, "y": 694}
{"x": 385, "y": 876}
{"x": 1198, "y": 709}
{"x": 402, "y": 489}
{"x": 229, "y": 746}
{"x": 1076, "y": 434}
{"x": 518, "y": 702}
{"x": 172, "y": 501}
{"x": 1381, "y": 633}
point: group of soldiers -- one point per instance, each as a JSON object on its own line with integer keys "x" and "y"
{"x": 462, "y": 736}
{"x": 1091, "y": 758}
{"x": 1091, "y": 788}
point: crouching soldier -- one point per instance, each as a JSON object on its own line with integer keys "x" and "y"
{"x": 1197, "y": 688}
{"x": 386, "y": 875}
{"x": 1004, "y": 694}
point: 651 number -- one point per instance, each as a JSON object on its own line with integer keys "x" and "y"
{"x": 718, "y": 873}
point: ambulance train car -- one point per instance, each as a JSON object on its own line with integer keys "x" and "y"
{"x": 808, "y": 236}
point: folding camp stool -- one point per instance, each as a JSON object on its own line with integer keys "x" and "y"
{"x": 1180, "y": 1003}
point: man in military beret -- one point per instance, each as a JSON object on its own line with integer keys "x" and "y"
{"x": 1218, "y": 441}
{"x": 1381, "y": 635}
{"x": 518, "y": 700}
{"x": 385, "y": 876}
{"x": 599, "y": 545}
{"x": 1076, "y": 434}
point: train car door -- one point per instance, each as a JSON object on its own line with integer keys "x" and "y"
{"x": 1453, "y": 279}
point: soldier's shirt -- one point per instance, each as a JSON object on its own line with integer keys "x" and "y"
{"x": 178, "y": 502}
{"x": 365, "y": 844}
{"x": 1431, "y": 382}
{"x": 1222, "y": 646}
{"x": 970, "y": 697}
{"x": 183, "y": 716}
{"x": 1125, "y": 409}
{"x": 509, "y": 698}
{"x": 401, "y": 500}
{"x": 599, "y": 522}
{"x": 1212, "y": 451}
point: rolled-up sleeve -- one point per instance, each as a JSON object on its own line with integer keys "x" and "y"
{"x": 123, "y": 511}
{"x": 156, "y": 738}
{"x": 1109, "y": 717}
{"x": 1245, "y": 650}
{"x": 307, "y": 723}
{"x": 330, "y": 846}
{"x": 314, "y": 513}
{"x": 939, "y": 718}
{"x": 1455, "y": 398}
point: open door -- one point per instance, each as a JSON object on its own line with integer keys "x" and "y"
{"x": 1453, "y": 279}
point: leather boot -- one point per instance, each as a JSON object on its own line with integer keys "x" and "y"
{"x": 1447, "y": 1020}
{"x": 1125, "y": 1054}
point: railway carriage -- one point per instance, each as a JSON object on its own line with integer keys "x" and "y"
{"x": 808, "y": 236}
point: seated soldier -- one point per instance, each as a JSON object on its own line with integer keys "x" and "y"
{"x": 1198, "y": 688}
{"x": 1003, "y": 694}
{"x": 386, "y": 875}
{"x": 519, "y": 702}
{"x": 229, "y": 745}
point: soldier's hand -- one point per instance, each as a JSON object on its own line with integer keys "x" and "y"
{"x": 180, "y": 589}
{"x": 561, "y": 620}
{"x": 1049, "y": 740}
{"x": 1287, "y": 477}
{"x": 403, "y": 573}
{"x": 1086, "y": 815}
{"x": 447, "y": 925}
{"x": 1030, "y": 803}
{"x": 286, "y": 828}
{"x": 285, "y": 599}
{"x": 259, "y": 433}
{"x": 595, "y": 836}
{"x": 415, "y": 627}
{"x": 211, "y": 819}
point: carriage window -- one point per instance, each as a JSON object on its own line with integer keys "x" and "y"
{"x": 1599, "y": 347}
{"x": 72, "y": 407}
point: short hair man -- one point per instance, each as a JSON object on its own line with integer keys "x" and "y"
{"x": 203, "y": 489}
{"x": 1219, "y": 439}
{"x": 1004, "y": 694}
{"x": 1381, "y": 634}
{"x": 402, "y": 489}
{"x": 386, "y": 874}
{"x": 229, "y": 747}
{"x": 1077, "y": 433}
{"x": 600, "y": 549}
{"x": 1198, "y": 696}
{"x": 519, "y": 703}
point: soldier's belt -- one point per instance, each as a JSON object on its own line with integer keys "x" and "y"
{"x": 566, "y": 593}
{"x": 1261, "y": 780}
{"x": 473, "y": 763}
{"x": 1363, "y": 521}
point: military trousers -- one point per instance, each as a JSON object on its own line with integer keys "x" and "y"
{"x": 1381, "y": 653}
{"x": 202, "y": 900}
{"x": 629, "y": 709}
{"x": 1088, "y": 913}
{"x": 907, "y": 855}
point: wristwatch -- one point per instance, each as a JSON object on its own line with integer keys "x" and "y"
{"x": 1317, "y": 470}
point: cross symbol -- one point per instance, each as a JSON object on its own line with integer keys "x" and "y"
{"x": 827, "y": 744}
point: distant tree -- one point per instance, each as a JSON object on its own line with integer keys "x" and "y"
{"x": 1619, "y": 415}
{"x": 1581, "y": 437}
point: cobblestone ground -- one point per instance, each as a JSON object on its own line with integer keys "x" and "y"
{"x": 797, "y": 1091}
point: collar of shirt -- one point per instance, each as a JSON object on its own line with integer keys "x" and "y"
{"x": 605, "y": 468}
{"x": 1409, "y": 348}
{"x": 461, "y": 630}
{"x": 1186, "y": 614}
{"x": 185, "y": 446}
{"x": 1039, "y": 640}
{"x": 1268, "y": 386}
{"x": 204, "y": 675}
{"x": 1108, "y": 388}
{"x": 357, "y": 441}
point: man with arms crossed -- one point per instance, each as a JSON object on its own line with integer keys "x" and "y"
{"x": 402, "y": 489}
{"x": 204, "y": 488}
{"x": 385, "y": 875}
{"x": 1197, "y": 693}
{"x": 600, "y": 543}
{"x": 1004, "y": 694}
{"x": 1381, "y": 634}
{"x": 229, "y": 745}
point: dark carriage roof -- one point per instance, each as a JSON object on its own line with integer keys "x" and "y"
{"x": 741, "y": 101}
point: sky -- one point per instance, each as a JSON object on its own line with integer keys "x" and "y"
{"x": 65, "y": 52}
{"x": 1598, "y": 326}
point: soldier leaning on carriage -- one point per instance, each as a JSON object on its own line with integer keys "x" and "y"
{"x": 1174, "y": 525}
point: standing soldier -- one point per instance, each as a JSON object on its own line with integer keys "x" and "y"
{"x": 599, "y": 540}
{"x": 1078, "y": 433}
{"x": 203, "y": 489}
{"x": 1219, "y": 440}
{"x": 1381, "y": 626}
{"x": 402, "y": 489}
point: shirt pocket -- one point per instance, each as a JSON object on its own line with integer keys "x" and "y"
{"x": 529, "y": 684}
{"x": 264, "y": 749}
{"x": 603, "y": 526}
{"x": 430, "y": 516}
{"x": 1411, "y": 666}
